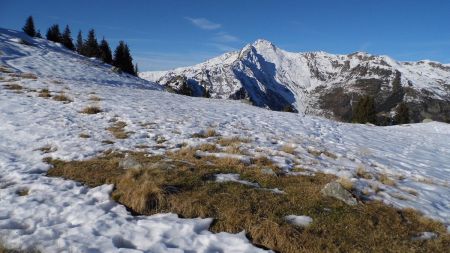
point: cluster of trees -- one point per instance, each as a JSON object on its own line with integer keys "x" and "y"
{"x": 89, "y": 47}
{"x": 364, "y": 112}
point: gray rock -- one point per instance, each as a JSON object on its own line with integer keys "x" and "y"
{"x": 268, "y": 171}
{"x": 425, "y": 236}
{"x": 336, "y": 190}
{"x": 130, "y": 163}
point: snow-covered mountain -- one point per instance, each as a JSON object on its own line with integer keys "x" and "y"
{"x": 316, "y": 82}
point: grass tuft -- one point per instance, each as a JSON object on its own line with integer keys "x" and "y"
{"x": 91, "y": 110}
{"x": 13, "y": 86}
{"x": 118, "y": 130}
{"x": 210, "y": 132}
{"x": 62, "y": 97}
{"x": 44, "y": 93}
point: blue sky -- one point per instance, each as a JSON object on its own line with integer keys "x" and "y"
{"x": 164, "y": 34}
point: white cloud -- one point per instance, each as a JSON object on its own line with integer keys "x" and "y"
{"x": 204, "y": 23}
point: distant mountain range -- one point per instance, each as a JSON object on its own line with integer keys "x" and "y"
{"x": 316, "y": 83}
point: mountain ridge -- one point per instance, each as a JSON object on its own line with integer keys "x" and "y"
{"x": 308, "y": 82}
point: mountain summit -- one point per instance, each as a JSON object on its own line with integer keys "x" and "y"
{"x": 317, "y": 83}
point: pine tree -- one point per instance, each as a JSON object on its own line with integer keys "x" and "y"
{"x": 38, "y": 34}
{"x": 67, "y": 39}
{"x": 365, "y": 111}
{"x": 90, "y": 48}
{"x": 105, "y": 52}
{"x": 123, "y": 59}
{"x": 401, "y": 114}
{"x": 79, "y": 44}
{"x": 53, "y": 33}
{"x": 28, "y": 28}
{"x": 136, "y": 69}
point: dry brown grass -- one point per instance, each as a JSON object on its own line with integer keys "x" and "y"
{"x": 13, "y": 86}
{"x": 346, "y": 183}
{"x": 118, "y": 130}
{"x": 188, "y": 189}
{"x": 4, "y": 69}
{"x": 363, "y": 173}
{"x": 62, "y": 97}
{"x": 210, "y": 132}
{"x": 44, "y": 93}
{"x": 24, "y": 75}
{"x": 92, "y": 109}
{"x": 383, "y": 178}
{"x": 288, "y": 148}
{"x": 227, "y": 141}
{"x": 108, "y": 142}
{"x": 23, "y": 192}
{"x": 84, "y": 135}
{"x": 47, "y": 149}
{"x": 4, "y": 249}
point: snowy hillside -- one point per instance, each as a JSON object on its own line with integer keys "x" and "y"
{"x": 317, "y": 82}
{"x": 58, "y": 214}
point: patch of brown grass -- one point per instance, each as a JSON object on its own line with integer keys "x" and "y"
{"x": 47, "y": 149}
{"x": 62, "y": 97}
{"x": 92, "y": 109}
{"x": 118, "y": 130}
{"x": 210, "y": 132}
{"x": 84, "y": 135}
{"x": 4, "y": 249}
{"x": 383, "y": 178}
{"x": 288, "y": 148}
{"x": 108, "y": 142}
{"x": 346, "y": 183}
{"x": 4, "y": 69}
{"x": 227, "y": 141}
{"x": 23, "y": 192}
{"x": 181, "y": 183}
{"x": 24, "y": 75}
{"x": 363, "y": 173}
{"x": 13, "y": 86}
{"x": 44, "y": 93}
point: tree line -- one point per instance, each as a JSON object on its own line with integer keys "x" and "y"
{"x": 88, "y": 47}
{"x": 364, "y": 112}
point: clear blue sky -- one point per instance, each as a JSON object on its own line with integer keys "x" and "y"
{"x": 163, "y": 34}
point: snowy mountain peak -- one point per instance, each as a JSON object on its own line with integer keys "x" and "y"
{"x": 262, "y": 43}
{"x": 317, "y": 83}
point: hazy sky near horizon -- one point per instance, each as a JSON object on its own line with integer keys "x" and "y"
{"x": 164, "y": 34}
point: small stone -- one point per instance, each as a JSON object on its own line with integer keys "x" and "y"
{"x": 268, "y": 171}
{"x": 336, "y": 190}
{"x": 129, "y": 163}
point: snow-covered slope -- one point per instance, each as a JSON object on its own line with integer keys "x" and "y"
{"x": 59, "y": 215}
{"x": 317, "y": 82}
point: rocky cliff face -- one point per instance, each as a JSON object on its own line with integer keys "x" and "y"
{"x": 317, "y": 83}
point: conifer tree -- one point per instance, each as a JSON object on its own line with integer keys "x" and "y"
{"x": 67, "y": 39}
{"x": 53, "y": 33}
{"x": 401, "y": 114}
{"x": 136, "y": 69}
{"x": 90, "y": 48}
{"x": 28, "y": 28}
{"x": 123, "y": 59}
{"x": 79, "y": 44}
{"x": 105, "y": 52}
{"x": 365, "y": 111}
{"x": 38, "y": 34}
